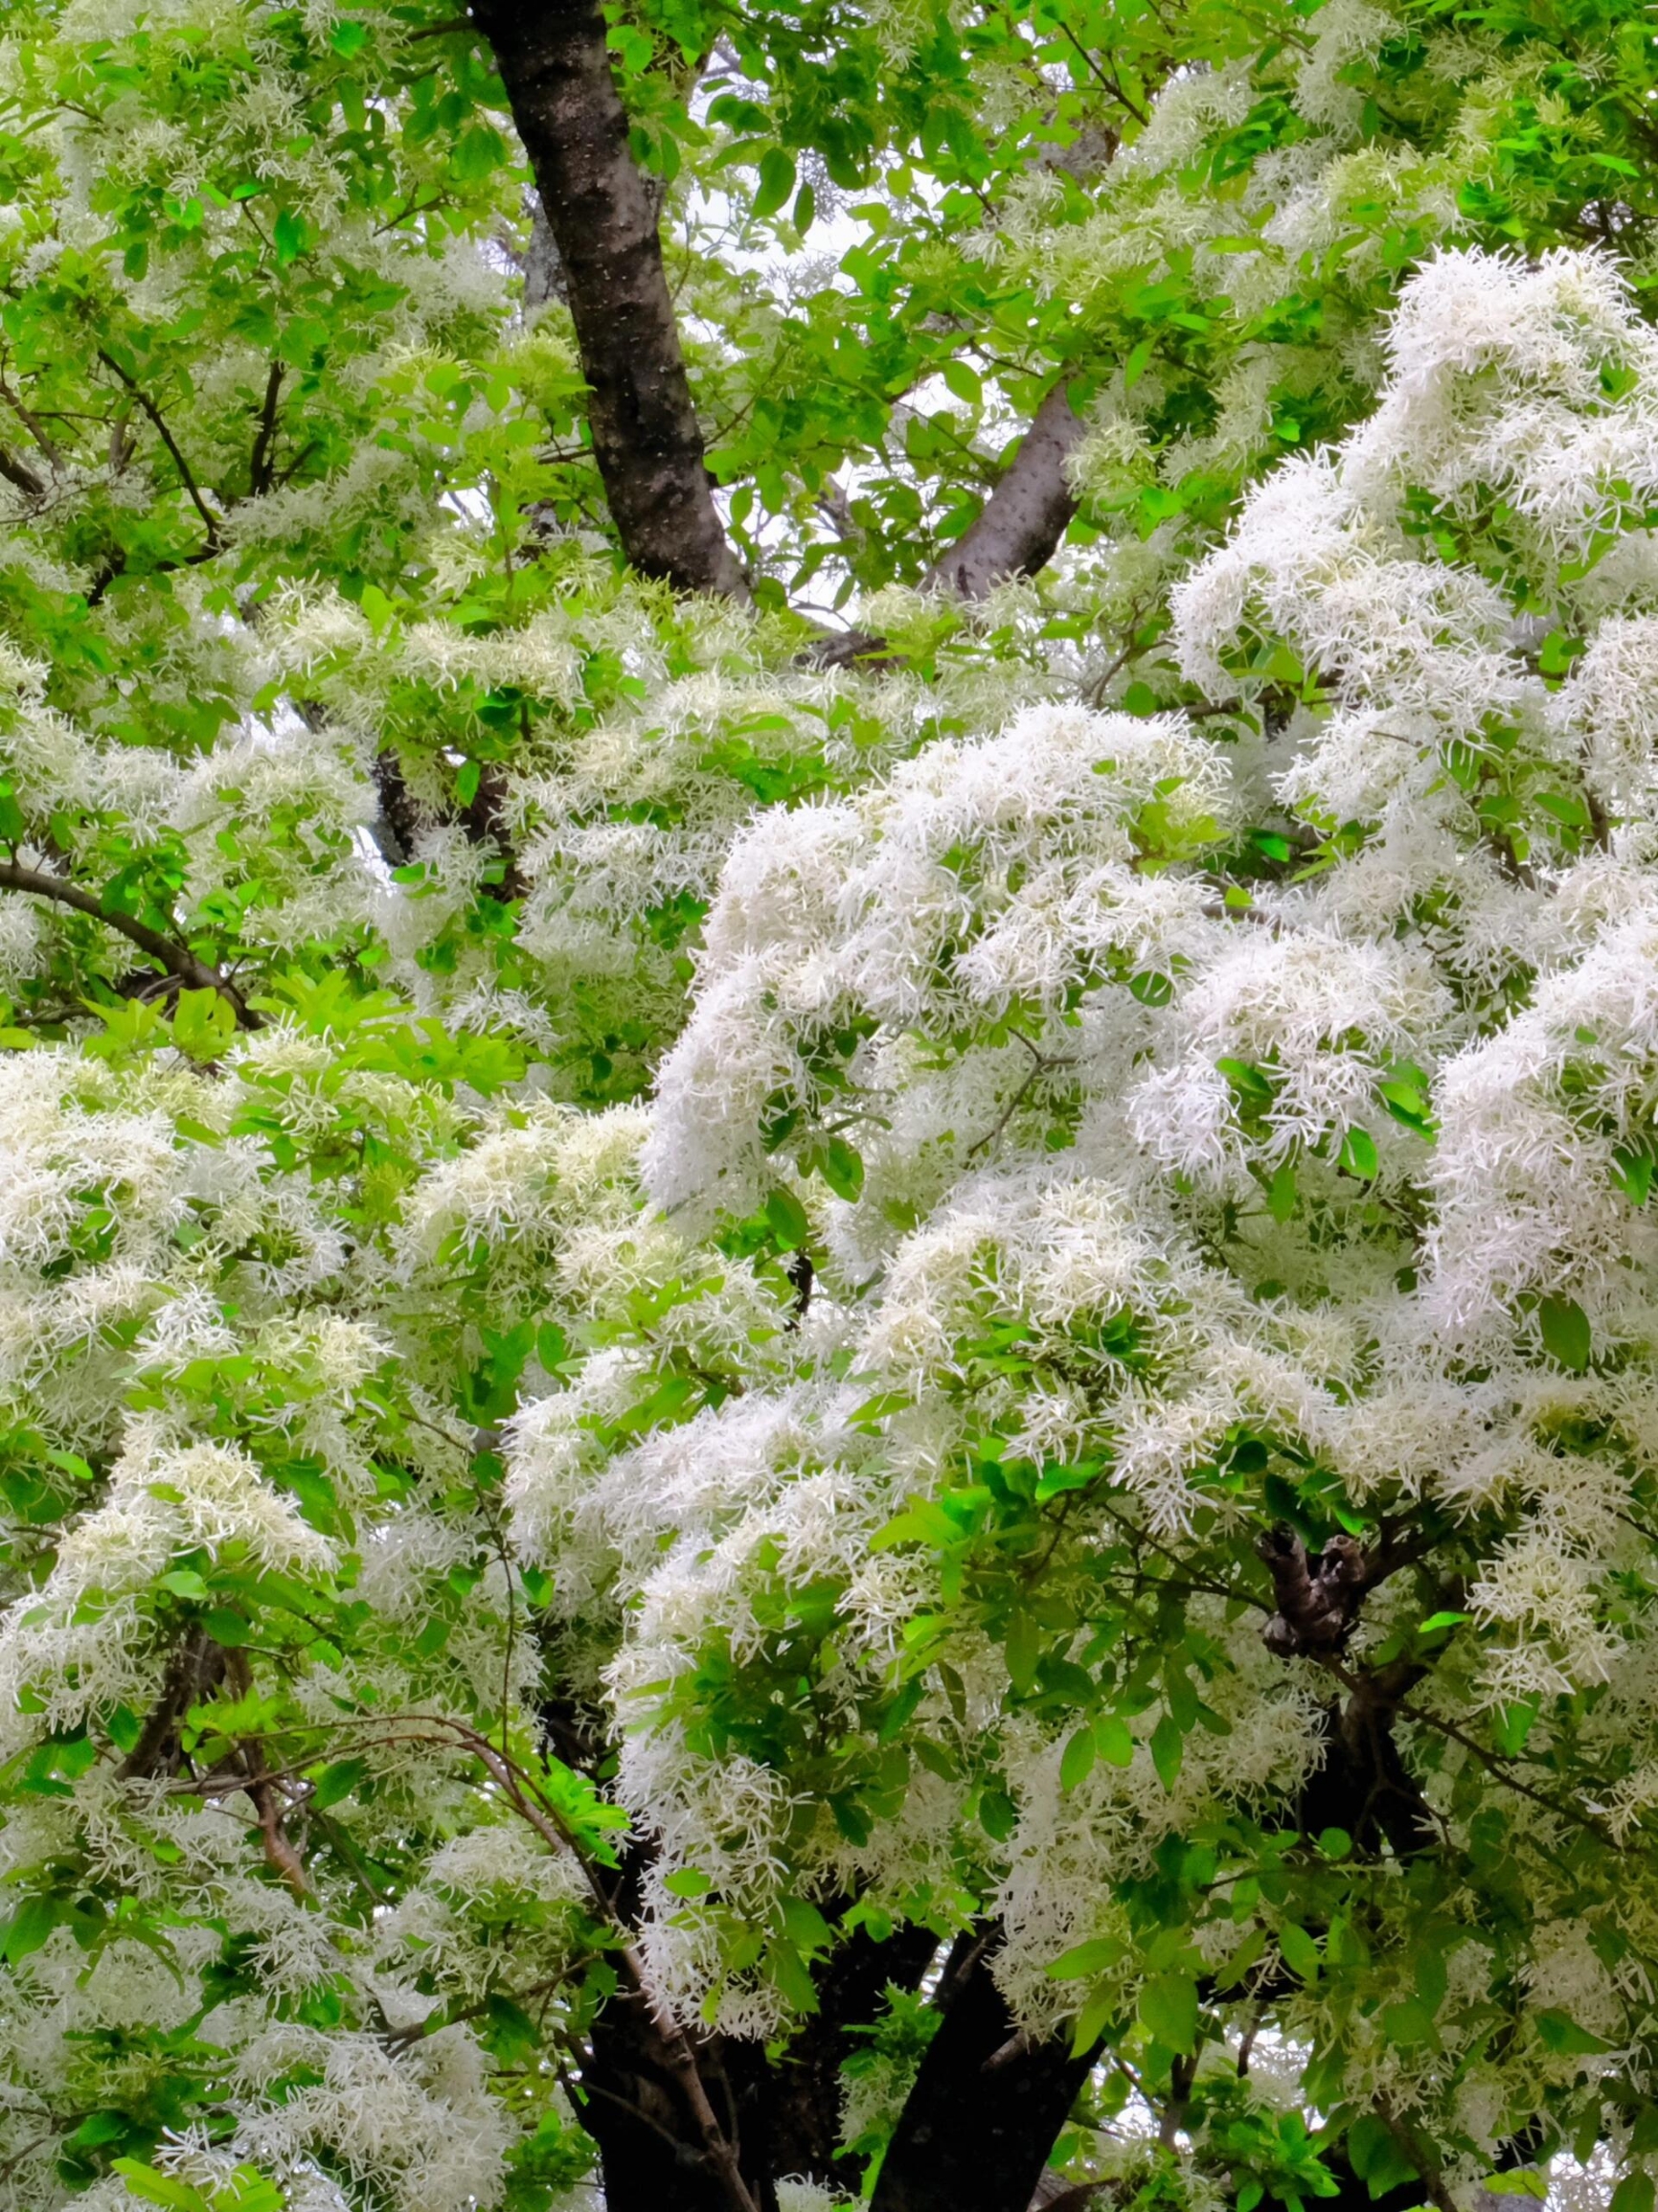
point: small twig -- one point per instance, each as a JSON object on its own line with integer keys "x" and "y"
{"x": 281, "y": 1854}
{"x": 1107, "y": 84}
{"x": 32, "y": 424}
{"x": 1405, "y": 2137}
{"x": 1042, "y": 1063}
{"x": 210, "y": 521}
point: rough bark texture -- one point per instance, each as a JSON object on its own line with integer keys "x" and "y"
{"x": 1318, "y": 1599}
{"x": 1022, "y": 522}
{"x": 544, "y": 277}
{"x": 985, "y": 2109}
{"x": 1362, "y": 1785}
{"x": 601, "y": 213}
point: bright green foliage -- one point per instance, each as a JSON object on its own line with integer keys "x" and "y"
{"x": 431, "y": 1455}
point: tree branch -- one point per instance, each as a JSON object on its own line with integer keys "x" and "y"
{"x": 555, "y": 66}
{"x": 177, "y": 960}
{"x": 1016, "y": 533}
{"x": 32, "y": 424}
{"x": 258, "y": 467}
{"x": 19, "y": 473}
{"x": 210, "y": 521}
{"x": 1021, "y": 525}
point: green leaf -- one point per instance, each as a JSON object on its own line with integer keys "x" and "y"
{"x": 1376, "y": 2156}
{"x": 842, "y": 1170}
{"x": 792, "y": 1975}
{"x": 998, "y": 1815}
{"x": 688, "y": 1881}
{"x": 1134, "y": 367}
{"x": 1084, "y": 1960}
{"x": 1167, "y": 1750}
{"x": 776, "y": 180}
{"x": 1634, "y": 2193}
{"x": 1565, "y": 1329}
{"x": 1632, "y": 1172}
{"x": 962, "y": 382}
{"x": 29, "y": 1928}
{"x": 336, "y": 1782}
{"x": 1408, "y": 2022}
{"x": 98, "y": 2130}
{"x": 1092, "y": 2021}
{"x": 289, "y": 238}
{"x": 1024, "y": 1646}
{"x": 1114, "y": 1745}
{"x": 143, "y": 2181}
{"x": 1077, "y": 1761}
{"x": 805, "y": 1926}
{"x": 203, "y": 1024}
{"x": 1359, "y": 1154}
{"x": 1561, "y": 2033}
{"x": 1169, "y": 2010}
{"x": 1247, "y": 1080}
{"x": 479, "y": 152}
{"x": 790, "y": 1225}
{"x": 1282, "y": 1194}
{"x": 1514, "y": 1724}
{"x": 183, "y": 1582}
{"x": 1300, "y": 1953}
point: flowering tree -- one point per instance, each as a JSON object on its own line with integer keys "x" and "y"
{"x": 828, "y": 1080}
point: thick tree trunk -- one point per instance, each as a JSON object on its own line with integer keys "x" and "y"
{"x": 986, "y": 2107}
{"x": 649, "y": 2148}
{"x": 602, "y": 215}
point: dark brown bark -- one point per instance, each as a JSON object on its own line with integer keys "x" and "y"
{"x": 1021, "y": 525}
{"x": 1362, "y": 1785}
{"x": 399, "y": 818}
{"x": 1318, "y": 1599}
{"x": 601, "y": 213}
{"x": 806, "y": 2093}
{"x": 649, "y": 2150}
{"x": 19, "y": 473}
{"x": 985, "y": 2111}
{"x": 484, "y": 820}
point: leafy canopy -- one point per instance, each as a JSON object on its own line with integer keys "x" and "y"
{"x": 667, "y": 1308}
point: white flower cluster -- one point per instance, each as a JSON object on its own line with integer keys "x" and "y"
{"x": 1327, "y": 1163}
